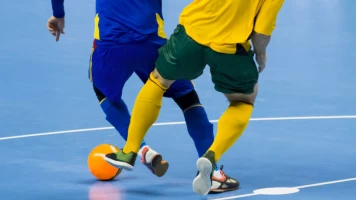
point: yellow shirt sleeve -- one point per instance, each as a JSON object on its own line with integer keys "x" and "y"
{"x": 267, "y": 16}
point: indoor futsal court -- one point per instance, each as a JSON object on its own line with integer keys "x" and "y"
{"x": 300, "y": 144}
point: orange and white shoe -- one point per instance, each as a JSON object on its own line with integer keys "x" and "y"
{"x": 222, "y": 182}
{"x": 153, "y": 161}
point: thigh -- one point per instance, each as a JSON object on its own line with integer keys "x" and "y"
{"x": 247, "y": 98}
{"x": 146, "y": 61}
{"x": 147, "y": 64}
{"x": 181, "y": 58}
{"x": 232, "y": 73}
{"x": 111, "y": 67}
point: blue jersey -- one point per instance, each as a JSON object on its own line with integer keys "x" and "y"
{"x": 125, "y": 21}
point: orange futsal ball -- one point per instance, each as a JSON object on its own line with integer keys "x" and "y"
{"x": 98, "y": 166}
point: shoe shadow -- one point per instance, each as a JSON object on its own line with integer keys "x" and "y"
{"x": 116, "y": 180}
{"x": 116, "y": 189}
{"x": 164, "y": 190}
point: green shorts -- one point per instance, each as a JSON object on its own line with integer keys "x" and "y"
{"x": 181, "y": 58}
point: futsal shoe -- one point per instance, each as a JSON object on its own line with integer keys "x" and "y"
{"x": 203, "y": 181}
{"x": 150, "y": 158}
{"x": 222, "y": 182}
{"x": 153, "y": 161}
{"x": 121, "y": 160}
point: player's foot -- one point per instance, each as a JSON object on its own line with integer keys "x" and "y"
{"x": 203, "y": 181}
{"x": 153, "y": 161}
{"x": 121, "y": 159}
{"x": 222, "y": 182}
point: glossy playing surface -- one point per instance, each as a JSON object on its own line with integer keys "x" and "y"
{"x": 302, "y": 135}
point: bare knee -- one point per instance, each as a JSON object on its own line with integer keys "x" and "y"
{"x": 247, "y": 98}
{"x": 166, "y": 83}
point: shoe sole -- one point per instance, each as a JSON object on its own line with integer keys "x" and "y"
{"x": 222, "y": 190}
{"x": 159, "y": 167}
{"x": 202, "y": 183}
{"x": 119, "y": 164}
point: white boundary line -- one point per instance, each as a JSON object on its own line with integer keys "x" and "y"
{"x": 298, "y": 187}
{"x": 177, "y": 123}
{"x": 326, "y": 183}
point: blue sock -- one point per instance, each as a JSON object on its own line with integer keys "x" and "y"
{"x": 118, "y": 116}
{"x": 200, "y": 129}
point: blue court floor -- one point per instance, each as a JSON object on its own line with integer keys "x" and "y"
{"x": 302, "y": 134}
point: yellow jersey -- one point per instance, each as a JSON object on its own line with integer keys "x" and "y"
{"x": 222, "y": 24}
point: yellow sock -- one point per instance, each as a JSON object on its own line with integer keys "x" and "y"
{"x": 230, "y": 127}
{"x": 145, "y": 112}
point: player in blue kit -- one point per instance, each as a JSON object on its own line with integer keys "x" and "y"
{"x": 127, "y": 36}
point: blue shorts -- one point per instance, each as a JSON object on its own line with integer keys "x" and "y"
{"x": 112, "y": 65}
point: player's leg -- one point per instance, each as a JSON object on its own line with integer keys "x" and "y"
{"x": 146, "y": 59}
{"x": 199, "y": 129}
{"x": 117, "y": 114}
{"x": 110, "y": 68}
{"x": 236, "y": 76}
{"x": 179, "y": 58}
{"x": 197, "y": 122}
{"x": 184, "y": 94}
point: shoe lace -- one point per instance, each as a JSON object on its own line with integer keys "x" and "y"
{"x": 221, "y": 170}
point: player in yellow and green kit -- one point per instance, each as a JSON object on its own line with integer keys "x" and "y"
{"x": 215, "y": 33}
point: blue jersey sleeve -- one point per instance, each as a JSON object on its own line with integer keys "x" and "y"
{"x": 58, "y": 8}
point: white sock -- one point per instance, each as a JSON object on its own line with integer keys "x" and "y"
{"x": 217, "y": 174}
{"x": 140, "y": 151}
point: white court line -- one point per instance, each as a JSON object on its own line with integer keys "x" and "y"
{"x": 325, "y": 183}
{"x": 298, "y": 187}
{"x": 177, "y": 123}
